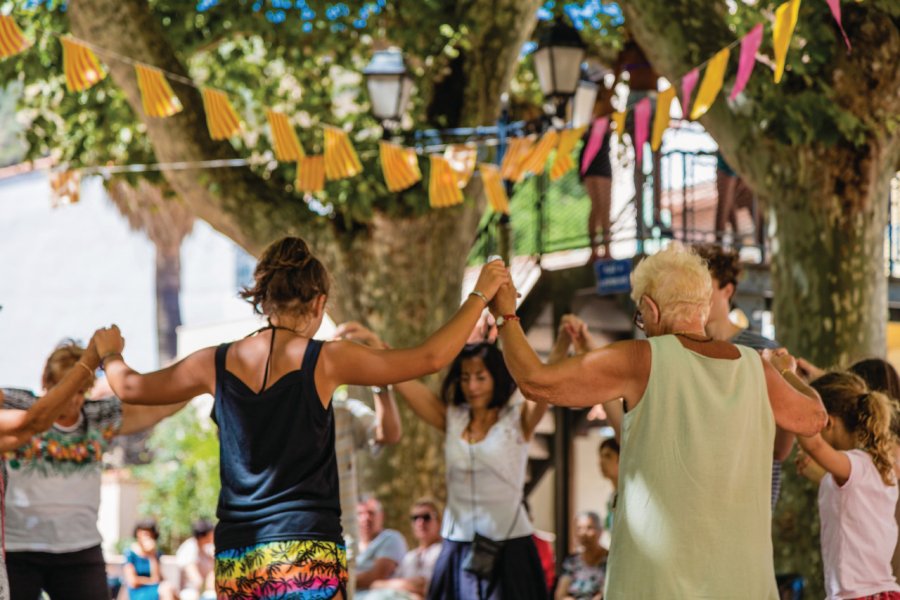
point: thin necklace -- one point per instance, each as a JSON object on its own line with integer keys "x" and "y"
{"x": 688, "y": 335}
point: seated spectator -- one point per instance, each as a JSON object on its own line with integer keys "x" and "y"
{"x": 411, "y": 579}
{"x": 196, "y": 559}
{"x": 609, "y": 468}
{"x": 380, "y": 549}
{"x": 142, "y": 573}
{"x": 583, "y": 574}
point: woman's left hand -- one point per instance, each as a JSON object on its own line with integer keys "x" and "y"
{"x": 108, "y": 340}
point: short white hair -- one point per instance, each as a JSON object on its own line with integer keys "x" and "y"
{"x": 677, "y": 279}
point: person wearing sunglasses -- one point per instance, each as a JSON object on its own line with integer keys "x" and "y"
{"x": 411, "y": 579}
{"x": 693, "y": 516}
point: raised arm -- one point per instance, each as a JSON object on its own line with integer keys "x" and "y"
{"x": 137, "y": 418}
{"x": 834, "y": 461}
{"x": 345, "y": 362}
{"x": 796, "y": 406}
{"x": 176, "y": 384}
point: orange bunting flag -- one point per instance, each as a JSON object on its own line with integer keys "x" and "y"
{"x": 494, "y": 188}
{"x": 287, "y": 146}
{"x": 537, "y": 158}
{"x": 221, "y": 119}
{"x": 12, "y": 41}
{"x": 563, "y": 161}
{"x": 661, "y": 118}
{"x": 311, "y": 174}
{"x": 618, "y": 119}
{"x": 711, "y": 84}
{"x": 462, "y": 159}
{"x": 341, "y": 160}
{"x": 156, "y": 94}
{"x": 443, "y": 184}
{"x": 80, "y": 65}
{"x": 65, "y": 188}
{"x": 400, "y": 166}
{"x": 785, "y": 21}
{"x": 517, "y": 151}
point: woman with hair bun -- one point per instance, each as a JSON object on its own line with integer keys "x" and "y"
{"x": 279, "y": 531}
{"x": 858, "y": 494}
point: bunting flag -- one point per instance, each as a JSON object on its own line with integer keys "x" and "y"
{"x": 400, "y": 166}
{"x": 494, "y": 188}
{"x": 537, "y": 158}
{"x": 462, "y": 159}
{"x": 311, "y": 174}
{"x": 517, "y": 151}
{"x": 221, "y": 119}
{"x": 12, "y": 40}
{"x": 80, "y": 65}
{"x": 341, "y": 160}
{"x": 749, "y": 46}
{"x": 618, "y": 119}
{"x": 563, "y": 161}
{"x": 661, "y": 118}
{"x": 785, "y": 21}
{"x": 711, "y": 84}
{"x": 688, "y": 83}
{"x": 156, "y": 94}
{"x": 443, "y": 184}
{"x": 835, "y": 6}
{"x": 594, "y": 142}
{"x": 65, "y": 187}
{"x": 284, "y": 138}
{"x": 641, "y": 128}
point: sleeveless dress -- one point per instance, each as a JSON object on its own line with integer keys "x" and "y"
{"x": 693, "y": 518}
{"x": 279, "y": 530}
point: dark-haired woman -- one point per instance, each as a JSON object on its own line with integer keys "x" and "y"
{"x": 486, "y": 451}
{"x": 279, "y": 532}
{"x": 143, "y": 575}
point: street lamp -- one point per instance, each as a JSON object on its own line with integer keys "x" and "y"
{"x": 583, "y": 103}
{"x": 558, "y": 62}
{"x": 389, "y": 85}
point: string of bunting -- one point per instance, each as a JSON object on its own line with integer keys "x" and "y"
{"x": 452, "y": 171}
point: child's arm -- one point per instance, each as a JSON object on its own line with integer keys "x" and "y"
{"x": 835, "y": 462}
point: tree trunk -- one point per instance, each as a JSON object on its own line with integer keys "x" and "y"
{"x": 168, "y": 309}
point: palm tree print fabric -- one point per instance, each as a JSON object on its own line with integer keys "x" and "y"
{"x": 283, "y": 570}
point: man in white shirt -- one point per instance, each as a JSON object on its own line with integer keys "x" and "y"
{"x": 196, "y": 559}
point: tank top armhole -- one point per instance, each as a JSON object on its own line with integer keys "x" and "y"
{"x": 655, "y": 345}
{"x": 221, "y": 353}
{"x": 308, "y": 371}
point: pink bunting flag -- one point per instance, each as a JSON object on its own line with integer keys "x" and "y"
{"x": 595, "y": 141}
{"x": 835, "y": 6}
{"x": 749, "y": 46}
{"x": 688, "y": 83}
{"x": 641, "y": 129}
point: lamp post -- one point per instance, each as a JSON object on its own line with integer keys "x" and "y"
{"x": 558, "y": 63}
{"x": 583, "y": 103}
{"x": 389, "y": 85}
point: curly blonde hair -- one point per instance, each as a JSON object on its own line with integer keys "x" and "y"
{"x": 677, "y": 279}
{"x": 64, "y": 356}
{"x": 865, "y": 413}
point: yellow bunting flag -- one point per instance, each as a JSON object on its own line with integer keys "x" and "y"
{"x": 311, "y": 174}
{"x": 517, "y": 150}
{"x": 711, "y": 84}
{"x": 284, "y": 138}
{"x": 12, "y": 41}
{"x": 563, "y": 161}
{"x": 537, "y": 158}
{"x": 494, "y": 188}
{"x": 341, "y": 160}
{"x": 400, "y": 166}
{"x": 462, "y": 159}
{"x": 80, "y": 65}
{"x": 221, "y": 119}
{"x": 443, "y": 184}
{"x": 156, "y": 94}
{"x": 661, "y": 118}
{"x": 618, "y": 119}
{"x": 785, "y": 21}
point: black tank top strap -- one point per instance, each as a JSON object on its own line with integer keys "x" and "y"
{"x": 308, "y": 368}
{"x": 221, "y": 353}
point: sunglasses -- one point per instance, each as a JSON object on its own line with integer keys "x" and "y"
{"x": 425, "y": 517}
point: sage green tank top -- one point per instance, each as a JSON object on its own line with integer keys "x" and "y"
{"x": 693, "y": 517}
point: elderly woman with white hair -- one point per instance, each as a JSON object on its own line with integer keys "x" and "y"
{"x": 693, "y": 516}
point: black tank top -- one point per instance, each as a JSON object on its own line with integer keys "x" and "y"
{"x": 277, "y": 460}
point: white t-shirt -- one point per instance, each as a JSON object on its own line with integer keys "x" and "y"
{"x": 188, "y": 553}
{"x": 419, "y": 563}
{"x": 859, "y": 531}
{"x": 53, "y": 488}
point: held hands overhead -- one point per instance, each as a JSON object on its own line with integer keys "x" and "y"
{"x": 108, "y": 341}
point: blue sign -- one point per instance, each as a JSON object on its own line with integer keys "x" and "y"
{"x": 613, "y": 276}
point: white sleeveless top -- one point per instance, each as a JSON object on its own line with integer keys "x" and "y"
{"x": 500, "y": 461}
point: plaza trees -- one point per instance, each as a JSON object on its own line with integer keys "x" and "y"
{"x": 820, "y": 150}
